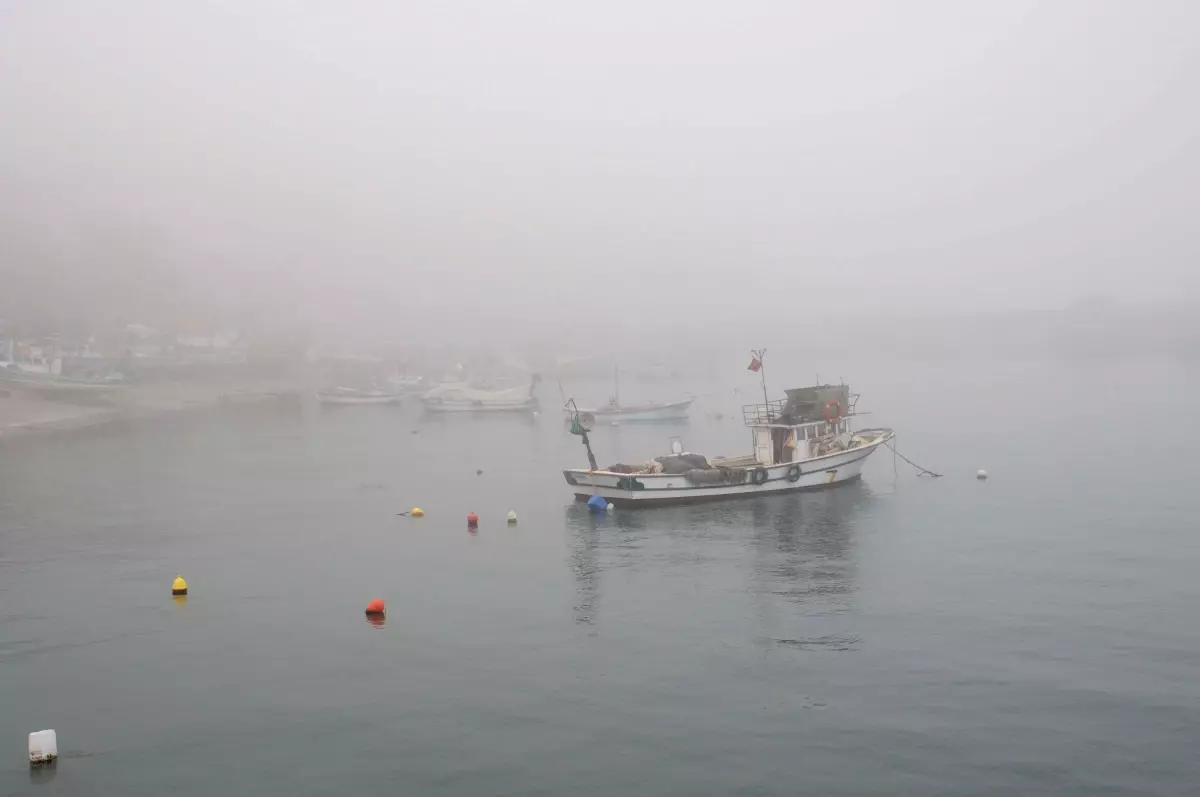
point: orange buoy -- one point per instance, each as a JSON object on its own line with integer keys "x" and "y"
{"x": 472, "y": 519}
{"x": 375, "y": 606}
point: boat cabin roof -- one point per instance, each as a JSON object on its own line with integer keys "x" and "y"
{"x": 806, "y": 406}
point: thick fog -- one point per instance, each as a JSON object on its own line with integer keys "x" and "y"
{"x": 412, "y": 167}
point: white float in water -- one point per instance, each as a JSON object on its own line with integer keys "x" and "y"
{"x": 43, "y": 748}
{"x": 512, "y": 516}
{"x": 981, "y": 475}
{"x": 610, "y": 507}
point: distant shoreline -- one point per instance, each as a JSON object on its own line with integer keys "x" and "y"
{"x": 25, "y": 413}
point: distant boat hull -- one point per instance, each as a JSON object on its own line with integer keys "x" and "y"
{"x": 351, "y": 399}
{"x": 407, "y": 385}
{"x": 480, "y": 406}
{"x": 674, "y": 411}
{"x": 461, "y": 397}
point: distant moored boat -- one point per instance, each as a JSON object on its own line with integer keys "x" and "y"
{"x": 349, "y": 395}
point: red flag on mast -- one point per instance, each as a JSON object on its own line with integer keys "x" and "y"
{"x": 755, "y": 365}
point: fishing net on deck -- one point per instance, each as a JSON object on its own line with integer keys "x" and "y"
{"x": 679, "y": 464}
{"x": 718, "y": 475}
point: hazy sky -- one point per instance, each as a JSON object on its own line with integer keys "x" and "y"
{"x": 604, "y": 161}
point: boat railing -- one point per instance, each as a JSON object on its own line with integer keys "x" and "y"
{"x": 759, "y": 414}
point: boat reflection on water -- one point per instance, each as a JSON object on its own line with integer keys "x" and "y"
{"x": 593, "y": 539}
{"x": 800, "y": 545}
{"x": 805, "y": 573}
{"x": 40, "y": 776}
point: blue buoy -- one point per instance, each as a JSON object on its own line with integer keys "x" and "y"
{"x": 597, "y": 504}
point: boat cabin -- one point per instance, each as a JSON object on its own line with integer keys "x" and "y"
{"x": 810, "y": 422}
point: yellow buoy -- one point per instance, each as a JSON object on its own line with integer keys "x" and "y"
{"x": 179, "y": 587}
{"x": 417, "y": 512}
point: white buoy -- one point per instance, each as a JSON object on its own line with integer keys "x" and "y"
{"x": 43, "y": 748}
{"x": 512, "y": 516}
{"x": 981, "y": 475}
{"x": 610, "y": 507}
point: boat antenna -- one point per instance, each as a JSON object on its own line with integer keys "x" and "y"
{"x": 759, "y": 354}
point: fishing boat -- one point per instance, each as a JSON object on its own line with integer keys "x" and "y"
{"x": 802, "y": 442}
{"x": 463, "y": 397}
{"x": 616, "y": 412}
{"x": 350, "y": 395}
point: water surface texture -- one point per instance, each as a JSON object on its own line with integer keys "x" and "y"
{"x": 1034, "y": 634}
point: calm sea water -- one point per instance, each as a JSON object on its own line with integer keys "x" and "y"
{"x": 1034, "y": 634}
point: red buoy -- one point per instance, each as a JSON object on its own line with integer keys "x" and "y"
{"x": 472, "y": 519}
{"x": 375, "y": 606}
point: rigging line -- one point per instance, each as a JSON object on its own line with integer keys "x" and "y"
{"x": 921, "y": 471}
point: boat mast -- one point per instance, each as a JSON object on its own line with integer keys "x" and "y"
{"x": 616, "y": 385}
{"x": 759, "y": 354}
{"x": 577, "y": 427}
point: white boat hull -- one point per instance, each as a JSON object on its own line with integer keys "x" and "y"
{"x": 641, "y": 489}
{"x": 452, "y": 405}
{"x": 355, "y": 400}
{"x": 674, "y": 411}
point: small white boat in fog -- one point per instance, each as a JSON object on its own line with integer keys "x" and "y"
{"x": 613, "y": 412}
{"x": 616, "y": 412}
{"x": 463, "y": 397}
{"x": 803, "y": 442}
{"x": 350, "y": 395}
{"x": 406, "y": 384}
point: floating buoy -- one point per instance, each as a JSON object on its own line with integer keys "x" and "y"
{"x": 472, "y": 520}
{"x": 981, "y": 475}
{"x": 43, "y": 748}
{"x": 610, "y": 507}
{"x": 417, "y": 512}
{"x": 597, "y": 504}
{"x": 179, "y": 587}
{"x": 512, "y": 516}
{"x": 375, "y": 607}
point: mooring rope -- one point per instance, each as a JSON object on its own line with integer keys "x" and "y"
{"x": 920, "y": 471}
